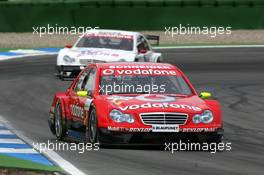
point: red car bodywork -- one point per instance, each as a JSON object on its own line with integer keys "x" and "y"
{"x": 76, "y": 110}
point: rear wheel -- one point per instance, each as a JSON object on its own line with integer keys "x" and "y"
{"x": 60, "y": 126}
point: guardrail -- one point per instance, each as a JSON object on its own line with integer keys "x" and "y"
{"x": 20, "y": 16}
{"x": 146, "y": 2}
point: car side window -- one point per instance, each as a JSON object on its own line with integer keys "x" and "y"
{"x": 90, "y": 83}
{"x": 82, "y": 79}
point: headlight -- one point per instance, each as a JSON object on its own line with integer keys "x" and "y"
{"x": 205, "y": 117}
{"x": 119, "y": 117}
{"x": 197, "y": 118}
{"x": 68, "y": 59}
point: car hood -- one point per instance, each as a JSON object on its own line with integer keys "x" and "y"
{"x": 156, "y": 103}
{"x": 102, "y": 54}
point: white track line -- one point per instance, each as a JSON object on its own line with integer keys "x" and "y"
{"x": 27, "y": 51}
{"x": 6, "y": 132}
{"x": 52, "y": 155}
{"x": 18, "y": 150}
{"x": 15, "y": 141}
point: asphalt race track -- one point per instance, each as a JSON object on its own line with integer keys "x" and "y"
{"x": 234, "y": 75}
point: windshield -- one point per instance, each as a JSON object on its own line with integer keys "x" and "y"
{"x": 107, "y": 42}
{"x": 143, "y": 85}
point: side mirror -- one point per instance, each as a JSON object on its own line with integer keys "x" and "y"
{"x": 205, "y": 95}
{"x": 90, "y": 93}
{"x": 68, "y": 46}
{"x": 142, "y": 51}
{"x": 82, "y": 93}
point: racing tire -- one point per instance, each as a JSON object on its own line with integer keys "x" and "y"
{"x": 59, "y": 122}
{"x": 52, "y": 126}
{"x": 92, "y": 133}
{"x": 158, "y": 60}
{"x": 61, "y": 75}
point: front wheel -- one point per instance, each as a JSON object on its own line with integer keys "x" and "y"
{"x": 92, "y": 131}
{"x": 59, "y": 72}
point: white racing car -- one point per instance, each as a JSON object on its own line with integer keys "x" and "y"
{"x": 105, "y": 46}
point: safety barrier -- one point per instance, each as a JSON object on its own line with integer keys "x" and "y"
{"x": 131, "y": 14}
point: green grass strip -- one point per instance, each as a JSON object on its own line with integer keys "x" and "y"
{"x": 12, "y": 162}
{"x": 4, "y": 49}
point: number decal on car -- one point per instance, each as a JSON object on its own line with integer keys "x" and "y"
{"x": 77, "y": 111}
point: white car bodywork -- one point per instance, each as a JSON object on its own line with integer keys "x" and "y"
{"x": 75, "y": 58}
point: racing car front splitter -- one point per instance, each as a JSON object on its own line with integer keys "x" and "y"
{"x": 68, "y": 71}
{"x": 146, "y": 136}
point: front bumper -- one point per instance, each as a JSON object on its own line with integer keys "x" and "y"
{"x": 68, "y": 71}
{"x": 69, "y": 68}
{"x": 142, "y": 137}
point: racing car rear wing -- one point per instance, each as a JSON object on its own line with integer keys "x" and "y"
{"x": 153, "y": 38}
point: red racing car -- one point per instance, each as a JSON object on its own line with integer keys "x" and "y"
{"x": 135, "y": 103}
